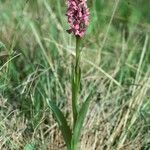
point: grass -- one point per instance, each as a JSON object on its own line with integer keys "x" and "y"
{"x": 35, "y": 64}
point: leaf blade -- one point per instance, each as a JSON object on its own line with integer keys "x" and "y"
{"x": 62, "y": 123}
{"x": 79, "y": 123}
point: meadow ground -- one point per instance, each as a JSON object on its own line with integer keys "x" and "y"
{"x": 36, "y": 54}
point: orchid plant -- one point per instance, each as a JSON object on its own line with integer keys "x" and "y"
{"x": 78, "y": 19}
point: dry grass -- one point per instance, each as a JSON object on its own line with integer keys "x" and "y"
{"x": 107, "y": 124}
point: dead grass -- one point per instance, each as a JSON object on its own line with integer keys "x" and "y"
{"x": 107, "y": 125}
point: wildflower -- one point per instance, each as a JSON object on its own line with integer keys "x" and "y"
{"x": 78, "y": 17}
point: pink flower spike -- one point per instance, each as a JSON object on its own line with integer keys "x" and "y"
{"x": 78, "y": 17}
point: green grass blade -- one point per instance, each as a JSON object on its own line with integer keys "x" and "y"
{"x": 79, "y": 123}
{"x": 66, "y": 131}
{"x": 29, "y": 147}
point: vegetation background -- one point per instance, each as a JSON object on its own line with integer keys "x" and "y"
{"x": 35, "y": 63}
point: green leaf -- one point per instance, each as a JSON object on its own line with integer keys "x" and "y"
{"x": 29, "y": 147}
{"x": 74, "y": 97}
{"x": 2, "y": 45}
{"x": 79, "y": 123}
{"x": 66, "y": 131}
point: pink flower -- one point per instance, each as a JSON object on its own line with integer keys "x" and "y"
{"x": 78, "y": 17}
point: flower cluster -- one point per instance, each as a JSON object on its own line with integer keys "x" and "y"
{"x": 78, "y": 17}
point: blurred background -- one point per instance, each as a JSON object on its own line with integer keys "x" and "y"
{"x": 36, "y": 54}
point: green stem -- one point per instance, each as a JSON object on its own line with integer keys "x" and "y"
{"x": 76, "y": 74}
